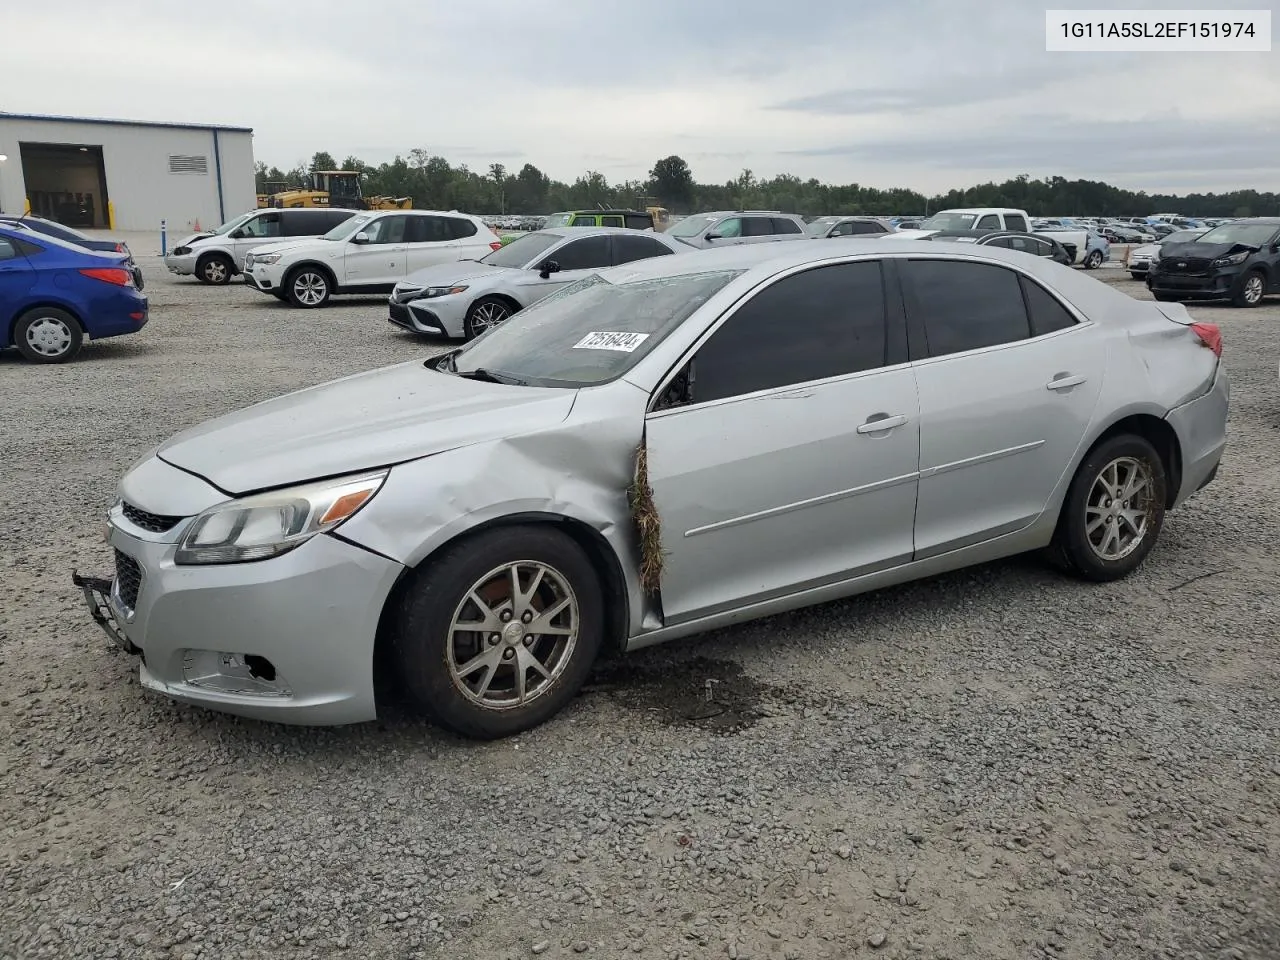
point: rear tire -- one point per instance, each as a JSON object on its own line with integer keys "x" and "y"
{"x": 470, "y": 681}
{"x": 48, "y": 335}
{"x": 1250, "y": 290}
{"x": 1113, "y": 512}
{"x": 215, "y": 269}
{"x": 308, "y": 287}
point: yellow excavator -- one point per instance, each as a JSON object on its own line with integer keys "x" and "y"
{"x": 338, "y": 188}
{"x": 271, "y": 188}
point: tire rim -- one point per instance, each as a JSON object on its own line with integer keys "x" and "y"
{"x": 1253, "y": 289}
{"x": 1121, "y": 504}
{"x": 215, "y": 271}
{"x": 310, "y": 289}
{"x": 488, "y": 315}
{"x": 49, "y": 336}
{"x": 513, "y": 635}
{"x": 1095, "y": 260}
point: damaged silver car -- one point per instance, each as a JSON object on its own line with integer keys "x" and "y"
{"x": 656, "y": 450}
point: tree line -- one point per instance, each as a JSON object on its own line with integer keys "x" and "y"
{"x": 434, "y": 183}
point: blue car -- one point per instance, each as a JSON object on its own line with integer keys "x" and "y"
{"x": 54, "y": 294}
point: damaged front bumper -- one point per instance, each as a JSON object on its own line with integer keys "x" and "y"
{"x": 97, "y": 597}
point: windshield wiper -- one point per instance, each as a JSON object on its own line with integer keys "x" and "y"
{"x": 490, "y": 376}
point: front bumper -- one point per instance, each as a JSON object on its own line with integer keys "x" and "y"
{"x": 183, "y": 266}
{"x": 262, "y": 278}
{"x": 1139, "y": 265}
{"x": 442, "y": 316}
{"x": 1201, "y": 426}
{"x": 1217, "y": 284}
{"x": 289, "y": 639}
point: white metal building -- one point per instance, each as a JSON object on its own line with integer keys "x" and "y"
{"x": 122, "y": 174}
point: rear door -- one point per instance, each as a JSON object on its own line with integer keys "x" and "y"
{"x": 791, "y": 461}
{"x": 785, "y": 228}
{"x": 429, "y": 240}
{"x": 471, "y": 240}
{"x": 16, "y": 278}
{"x": 758, "y": 230}
{"x": 1009, "y": 378}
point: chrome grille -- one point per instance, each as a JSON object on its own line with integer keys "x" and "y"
{"x": 128, "y": 579}
{"x": 155, "y": 522}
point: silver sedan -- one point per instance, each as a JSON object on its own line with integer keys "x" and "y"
{"x": 660, "y": 449}
{"x": 466, "y": 298}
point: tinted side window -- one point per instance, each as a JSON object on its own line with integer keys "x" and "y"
{"x": 965, "y": 306}
{"x": 331, "y": 219}
{"x": 637, "y": 222}
{"x": 627, "y": 249}
{"x": 611, "y": 221}
{"x": 785, "y": 225}
{"x": 26, "y": 247}
{"x": 989, "y": 222}
{"x": 1014, "y": 221}
{"x": 1006, "y": 242}
{"x": 1047, "y": 313}
{"x": 460, "y": 229}
{"x": 306, "y": 225}
{"x": 865, "y": 226}
{"x": 757, "y": 227}
{"x": 7, "y": 250}
{"x": 841, "y": 309}
{"x": 428, "y": 230}
{"x": 589, "y": 253}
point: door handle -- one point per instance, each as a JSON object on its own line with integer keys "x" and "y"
{"x": 881, "y": 422}
{"x": 793, "y": 395}
{"x": 1064, "y": 382}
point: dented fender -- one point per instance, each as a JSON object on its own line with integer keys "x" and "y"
{"x": 580, "y": 469}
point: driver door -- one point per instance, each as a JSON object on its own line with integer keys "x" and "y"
{"x": 381, "y": 261}
{"x": 578, "y": 258}
{"x": 262, "y": 230}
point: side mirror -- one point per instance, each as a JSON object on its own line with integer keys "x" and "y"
{"x": 547, "y": 268}
{"x": 714, "y": 236}
{"x": 360, "y": 237}
{"x": 236, "y": 234}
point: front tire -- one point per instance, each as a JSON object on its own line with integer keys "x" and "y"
{"x": 1113, "y": 512}
{"x": 500, "y": 631}
{"x": 1250, "y": 290}
{"x": 1094, "y": 260}
{"x": 1137, "y": 276}
{"x": 48, "y": 335}
{"x": 308, "y": 287}
{"x": 216, "y": 269}
{"x": 486, "y": 313}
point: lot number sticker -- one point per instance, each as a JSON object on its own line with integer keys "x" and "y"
{"x": 621, "y": 342}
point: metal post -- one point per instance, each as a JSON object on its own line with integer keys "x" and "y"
{"x": 164, "y": 238}
{"x": 3, "y": 158}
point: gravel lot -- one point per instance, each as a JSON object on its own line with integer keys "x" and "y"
{"x": 995, "y": 764}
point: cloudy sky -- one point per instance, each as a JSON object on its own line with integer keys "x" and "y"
{"x": 929, "y": 94}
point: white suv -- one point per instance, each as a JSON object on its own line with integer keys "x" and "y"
{"x": 370, "y": 253}
{"x": 218, "y": 255}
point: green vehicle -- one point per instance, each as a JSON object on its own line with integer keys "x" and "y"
{"x": 634, "y": 219}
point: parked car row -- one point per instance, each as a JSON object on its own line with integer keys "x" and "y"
{"x": 656, "y": 450}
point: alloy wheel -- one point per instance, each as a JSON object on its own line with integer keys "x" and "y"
{"x": 215, "y": 271}
{"x": 488, "y": 315}
{"x": 309, "y": 288}
{"x": 49, "y": 337}
{"x": 1118, "y": 513}
{"x": 1253, "y": 288}
{"x": 513, "y": 635}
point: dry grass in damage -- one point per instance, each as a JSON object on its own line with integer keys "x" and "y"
{"x": 644, "y": 514}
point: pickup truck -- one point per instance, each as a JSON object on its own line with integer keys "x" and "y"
{"x": 1078, "y": 243}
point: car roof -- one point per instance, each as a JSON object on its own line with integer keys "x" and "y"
{"x": 1263, "y": 221}
{"x": 11, "y": 229}
{"x": 599, "y": 231}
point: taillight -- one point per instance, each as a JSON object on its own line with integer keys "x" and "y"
{"x": 495, "y": 245}
{"x": 1210, "y": 336}
{"x": 121, "y": 278}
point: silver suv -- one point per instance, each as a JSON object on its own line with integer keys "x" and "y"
{"x": 730, "y": 228}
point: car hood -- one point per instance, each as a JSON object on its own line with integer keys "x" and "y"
{"x": 1211, "y": 251}
{"x": 298, "y": 245}
{"x": 1146, "y": 250}
{"x": 911, "y": 234}
{"x": 368, "y": 420}
{"x": 188, "y": 241}
{"x": 448, "y": 274}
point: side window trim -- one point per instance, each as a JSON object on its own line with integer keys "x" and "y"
{"x": 894, "y": 358}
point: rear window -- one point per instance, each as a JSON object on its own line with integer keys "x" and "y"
{"x": 591, "y": 331}
{"x": 638, "y": 221}
{"x": 785, "y": 225}
{"x": 522, "y": 250}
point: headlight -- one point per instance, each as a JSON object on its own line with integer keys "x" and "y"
{"x": 430, "y": 292}
{"x": 269, "y": 524}
{"x": 181, "y": 251}
{"x": 1232, "y": 260}
{"x": 266, "y": 258}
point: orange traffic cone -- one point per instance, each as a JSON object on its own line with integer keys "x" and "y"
{"x": 197, "y": 226}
